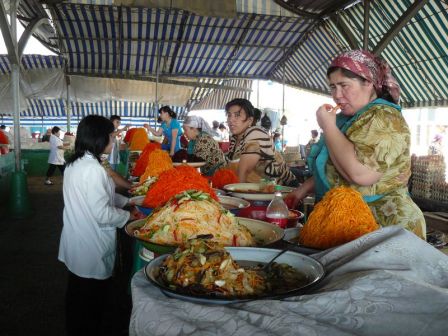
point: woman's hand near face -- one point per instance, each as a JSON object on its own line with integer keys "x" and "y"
{"x": 326, "y": 116}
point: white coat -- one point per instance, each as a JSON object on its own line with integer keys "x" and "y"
{"x": 91, "y": 217}
{"x": 56, "y": 156}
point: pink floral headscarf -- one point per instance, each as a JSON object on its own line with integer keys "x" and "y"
{"x": 370, "y": 67}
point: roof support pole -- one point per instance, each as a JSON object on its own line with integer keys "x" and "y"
{"x": 9, "y": 32}
{"x": 157, "y": 85}
{"x": 19, "y": 204}
{"x": 10, "y": 42}
{"x": 283, "y": 104}
{"x": 365, "y": 41}
{"x": 68, "y": 105}
{"x": 401, "y": 22}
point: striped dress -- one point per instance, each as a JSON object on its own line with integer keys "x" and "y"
{"x": 255, "y": 140}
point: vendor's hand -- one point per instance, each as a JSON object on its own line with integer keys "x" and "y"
{"x": 135, "y": 214}
{"x": 294, "y": 198}
{"x": 326, "y": 116}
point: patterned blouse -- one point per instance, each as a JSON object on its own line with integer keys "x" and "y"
{"x": 255, "y": 140}
{"x": 382, "y": 140}
{"x": 208, "y": 149}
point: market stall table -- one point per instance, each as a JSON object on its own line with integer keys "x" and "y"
{"x": 389, "y": 282}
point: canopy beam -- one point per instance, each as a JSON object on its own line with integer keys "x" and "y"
{"x": 365, "y": 40}
{"x": 164, "y": 80}
{"x": 7, "y": 33}
{"x": 346, "y": 32}
{"x": 30, "y": 29}
{"x": 401, "y": 22}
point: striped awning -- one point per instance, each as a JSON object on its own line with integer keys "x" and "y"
{"x": 219, "y": 98}
{"x": 33, "y": 62}
{"x": 263, "y": 41}
{"x": 57, "y": 108}
{"x": 47, "y": 122}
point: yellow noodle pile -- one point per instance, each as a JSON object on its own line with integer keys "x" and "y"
{"x": 139, "y": 139}
{"x": 158, "y": 161}
{"x": 341, "y": 216}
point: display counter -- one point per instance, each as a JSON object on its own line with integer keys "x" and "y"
{"x": 35, "y": 162}
{"x": 6, "y": 169}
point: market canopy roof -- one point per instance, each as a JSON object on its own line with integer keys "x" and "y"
{"x": 250, "y": 39}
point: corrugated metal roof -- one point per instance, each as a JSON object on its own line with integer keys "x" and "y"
{"x": 263, "y": 41}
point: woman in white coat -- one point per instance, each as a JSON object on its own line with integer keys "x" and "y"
{"x": 56, "y": 157}
{"x": 92, "y": 213}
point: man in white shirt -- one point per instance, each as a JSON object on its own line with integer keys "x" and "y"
{"x": 56, "y": 158}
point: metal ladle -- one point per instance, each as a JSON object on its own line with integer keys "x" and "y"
{"x": 267, "y": 267}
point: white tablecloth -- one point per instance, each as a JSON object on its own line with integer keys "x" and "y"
{"x": 387, "y": 283}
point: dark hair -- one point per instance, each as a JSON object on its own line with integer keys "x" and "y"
{"x": 266, "y": 122}
{"x": 314, "y": 133}
{"x": 2, "y": 127}
{"x": 384, "y": 93}
{"x": 245, "y": 105}
{"x": 257, "y": 116}
{"x": 215, "y": 124}
{"x": 114, "y": 117}
{"x": 92, "y": 136}
{"x": 168, "y": 109}
{"x": 222, "y": 126}
{"x": 55, "y": 129}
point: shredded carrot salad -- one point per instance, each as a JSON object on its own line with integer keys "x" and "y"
{"x": 158, "y": 162}
{"x": 139, "y": 139}
{"x": 341, "y": 216}
{"x": 224, "y": 176}
{"x": 3, "y": 138}
{"x": 174, "y": 181}
{"x": 142, "y": 162}
{"x": 129, "y": 135}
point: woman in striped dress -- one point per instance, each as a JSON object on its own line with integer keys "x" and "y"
{"x": 251, "y": 152}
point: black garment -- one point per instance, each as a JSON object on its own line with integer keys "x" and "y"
{"x": 46, "y": 138}
{"x": 52, "y": 168}
{"x": 84, "y": 305}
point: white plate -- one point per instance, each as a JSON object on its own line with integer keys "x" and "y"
{"x": 313, "y": 270}
{"x": 219, "y": 192}
{"x": 249, "y": 192}
{"x": 233, "y": 203}
{"x": 264, "y": 233}
{"x": 137, "y": 200}
{"x": 191, "y": 164}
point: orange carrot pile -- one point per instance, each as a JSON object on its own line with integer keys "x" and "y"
{"x": 173, "y": 182}
{"x": 3, "y": 138}
{"x": 224, "y": 176}
{"x": 158, "y": 162}
{"x": 142, "y": 162}
{"x": 139, "y": 139}
{"x": 129, "y": 135}
{"x": 340, "y": 217}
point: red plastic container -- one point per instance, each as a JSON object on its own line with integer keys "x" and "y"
{"x": 257, "y": 210}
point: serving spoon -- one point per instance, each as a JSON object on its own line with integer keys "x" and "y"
{"x": 267, "y": 266}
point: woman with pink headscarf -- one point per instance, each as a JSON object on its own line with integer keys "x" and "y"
{"x": 366, "y": 145}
